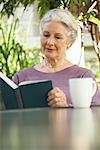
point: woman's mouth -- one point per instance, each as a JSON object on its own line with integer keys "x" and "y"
{"x": 50, "y": 49}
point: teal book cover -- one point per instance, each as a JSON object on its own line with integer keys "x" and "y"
{"x": 27, "y": 94}
{"x": 35, "y": 94}
{"x": 8, "y": 95}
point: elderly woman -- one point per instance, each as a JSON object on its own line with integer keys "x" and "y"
{"x": 58, "y": 32}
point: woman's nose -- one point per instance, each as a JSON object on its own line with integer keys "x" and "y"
{"x": 50, "y": 41}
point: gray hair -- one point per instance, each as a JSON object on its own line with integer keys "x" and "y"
{"x": 64, "y": 16}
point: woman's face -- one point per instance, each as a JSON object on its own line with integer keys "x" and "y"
{"x": 54, "y": 40}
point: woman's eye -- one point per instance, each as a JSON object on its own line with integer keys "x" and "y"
{"x": 46, "y": 35}
{"x": 58, "y": 37}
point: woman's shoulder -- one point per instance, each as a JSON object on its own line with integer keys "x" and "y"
{"x": 24, "y": 70}
{"x": 79, "y": 68}
{"x": 22, "y": 74}
{"x": 81, "y": 71}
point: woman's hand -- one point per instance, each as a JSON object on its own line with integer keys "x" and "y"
{"x": 56, "y": 97}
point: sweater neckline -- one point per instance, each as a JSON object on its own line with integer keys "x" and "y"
{"x": 68, "y": 68}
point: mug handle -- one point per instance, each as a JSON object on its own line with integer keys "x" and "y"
{"x": 94, "y": 87}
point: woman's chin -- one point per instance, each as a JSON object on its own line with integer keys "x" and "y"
{"x": 50, "y": 55}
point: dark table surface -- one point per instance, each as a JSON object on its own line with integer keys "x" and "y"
{"x": 50, "y": 129}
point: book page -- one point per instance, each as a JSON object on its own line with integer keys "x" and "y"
{"x": 31, "y": 81}
{"x": 8, "y": 81}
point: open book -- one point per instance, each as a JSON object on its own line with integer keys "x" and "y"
{"x": 27, "y": 94}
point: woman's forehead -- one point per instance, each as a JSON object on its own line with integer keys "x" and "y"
{"x": 55, "y": 25}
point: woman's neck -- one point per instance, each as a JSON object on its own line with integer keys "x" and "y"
{"x": 49, "y": 65}
{"x": 54, "y": 63}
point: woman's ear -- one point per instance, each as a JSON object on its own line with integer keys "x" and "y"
{"x": 69, "y": 43}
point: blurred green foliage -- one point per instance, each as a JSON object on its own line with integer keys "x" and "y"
{"x": 92, "y": 63}
{"x": 94, "y": 69}
{"x": 13, "y": 55}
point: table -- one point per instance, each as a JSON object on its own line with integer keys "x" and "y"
{"x": 50, "y": 129}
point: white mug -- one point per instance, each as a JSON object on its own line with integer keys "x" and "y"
{"x": 82, "y": 91}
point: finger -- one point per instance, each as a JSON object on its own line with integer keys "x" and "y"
{"x": 57, "y": 104}
{"x": 53, "y": 96}
{"x": 53, "y": 101}
{"x": 53, "y": 91}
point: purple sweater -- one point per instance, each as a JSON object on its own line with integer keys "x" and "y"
{"x": 59, "y": 79}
